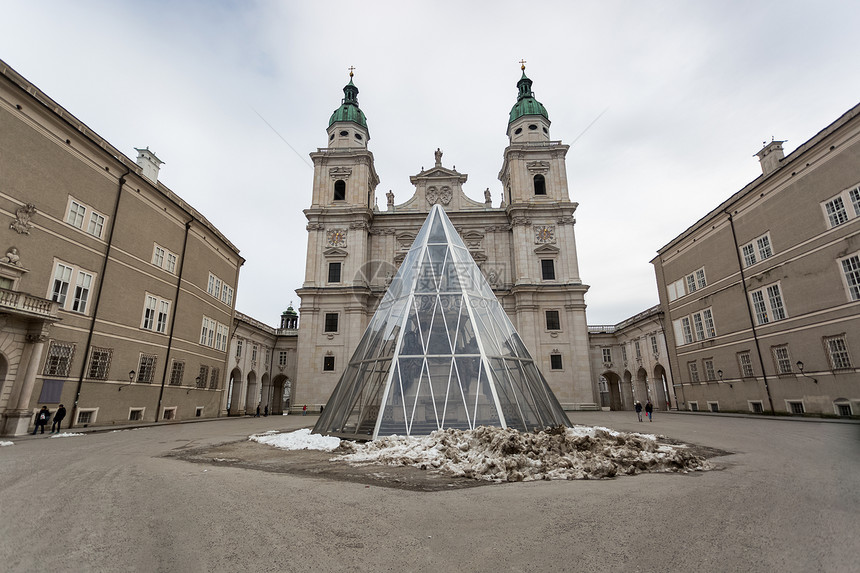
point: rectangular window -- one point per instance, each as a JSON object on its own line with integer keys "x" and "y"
{"x": 221, "y": 338}
{"x": 202, "y": 376}
{"x": 82, "y": 292}
{"x": 158, "y": 256}
{"x": 52, "y": 392}
{"x": 836, "y": 213}
{"x": 767, "y": 304}
{"x": 854, "y": 196}
{"x": 59, "y": 359}
{"x": 282, "y": 358}
{"x": 676, "y": 290}
{"x": 781, "y": 359}
{"x": 756, "y": 407}
{"x": 607, "y": 355}
{"x": 624, "y": 353}
{"x": 254, "y": 353}
{"x": 238, "y": 349}
{"x": 714, "y": 406}
{"x": 710, "y": 331}
{"x": 214, "y": 378}
{"x": 62, "y": 278}
{"x": 198, "y": 411}
{"x": 99, "y": 363}
{"x": 745, "y": 364}
{"x": 171, "y": 263}
{"x": 637, "y": 348}
{"x": 547, "y": 269}
{"x": 757, "y": 250}
{"x": 555, "y": 362}
{"x": 330, "y": 322}
{"x": 210, "y": 287}
{"x": 553, "y": 322}
{"x": 654, "y": 348}
{"x": 86, "y": 417}
{"x": 169, "y": 414}
{"x": 156, "y": 312}
{"x": 696, "y": 281}
{"x": 207, "y": 332}
{"x": 163, "y": 259}
{"x": 710, "y": 374}
{"x": 161, "y": 319}
{"x": 177, "y": 371}
{"x": 146, "y": 368}
{"x": 135, "y": 414}
{"x": 795, "y": 407}
{"x": 75, "y": 217}
{"x": 328, "y": 363}
{"x": 694, "y": 406}
{"x": 688, "y": 332}
{"x": 699, "y": 325}
{"x": 227, "y": 295}
{"x": 334, "y": 272}
{"x": 837, "y": 351}
{"x": 694, "y": 371}
{"x": 851, "y": 271}
{"x": 97, "y": 223}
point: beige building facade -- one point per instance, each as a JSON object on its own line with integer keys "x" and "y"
{"x": 116, "y": 296}
{"x": 761, "y": 296}
{"x": 525, "y": 246}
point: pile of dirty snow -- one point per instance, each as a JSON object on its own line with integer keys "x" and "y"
{"x": 66, "y": 435}
{"x": 298, "y": 440}
{"x": 497, "y": 454}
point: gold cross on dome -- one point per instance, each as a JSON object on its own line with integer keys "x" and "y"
{"x": 351, "y": 68}
{"x": 523, "y": 65}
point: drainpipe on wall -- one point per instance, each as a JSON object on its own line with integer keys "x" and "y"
{"x": 172, "y": 320}
{"x": 750, "y": 312}
{"x": 98, "y": 298}
{"x": 672, "y": 372}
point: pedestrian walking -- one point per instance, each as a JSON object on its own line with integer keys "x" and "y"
{"x": 639, "y": 410}
{"x": 649, "y": 409}
{"x": 266, "y": 410}
{"x": 305, "y": 410}
{"x": 58, "y": 418}
{"x": 257, "y": 415}
{"x": 42, "y": 419}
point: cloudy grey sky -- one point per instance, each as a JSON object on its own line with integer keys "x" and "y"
{"x": 685, "y": 92}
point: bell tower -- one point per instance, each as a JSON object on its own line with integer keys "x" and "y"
{"x": 335, "y": 291}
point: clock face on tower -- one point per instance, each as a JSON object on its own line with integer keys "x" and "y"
{"x": 336, "y": 237}
{"x": 545, "y": 234}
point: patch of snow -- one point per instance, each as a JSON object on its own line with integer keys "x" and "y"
{"x": 6, "y": 444}
{"x": 498, "y": 454}
{"x": 298, "y": 440}
{"x": 66, "y": 435}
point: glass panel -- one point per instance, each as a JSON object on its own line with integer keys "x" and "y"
{"x": 437, "y": 233}
{"x": 427, "y": 276}
{"x": 393, "y": 419}
{"x": 412, "y": 371}
{"x": 437, "y": 391}
{"x": 439, "y": 343}
{"x": 424, "y": 306}
{"x": 412, "y": 338}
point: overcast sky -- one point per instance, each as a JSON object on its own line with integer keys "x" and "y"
{"x": 234, "y": 95}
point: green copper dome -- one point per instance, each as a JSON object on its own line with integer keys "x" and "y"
{"x": 526, "y": 102}
{"x": 349, "y": 110}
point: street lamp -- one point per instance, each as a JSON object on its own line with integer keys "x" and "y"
{"x": 130, "y": 380}
{"x": 800, "y": 367}
{"x": 720, "y": 374}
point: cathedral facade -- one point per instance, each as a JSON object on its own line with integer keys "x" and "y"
{"x": 525, "y": 247}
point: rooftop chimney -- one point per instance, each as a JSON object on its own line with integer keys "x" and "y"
{"x": 150, "y": 164}
{"x": 770, "y": 156}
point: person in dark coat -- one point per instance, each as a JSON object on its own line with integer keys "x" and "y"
{"x": 649, "y": 409}
{"x": 639, "y": 410}
{"x": 266, "y": 410}
{"x": 42, "y": 418}
{"x": 58, "y": 418}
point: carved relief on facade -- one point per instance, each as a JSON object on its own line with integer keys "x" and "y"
{"x": 538, "y": 166}
{"x": 358, "y": 225}
{"x": 443, "y": 195}
{"x": 340, "y": 172}
{"x": 566, "y": 220}
{"x": 336, "y": 237}
{"x": 314, "y": 227}
{"x": 544, "y": 234}
{"x": 473, "y": 239}
{"x": 520, "y": 220}
{"x": 23, "y": 214}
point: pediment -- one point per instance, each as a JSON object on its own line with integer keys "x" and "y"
{"x": 335, "y": 253}
{"x": 547, "y": 250}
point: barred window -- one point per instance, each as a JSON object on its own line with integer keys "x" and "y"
{"x": 782, "y": 359}
{"x": 607, "y": 355}
{"x": 99, "y": 363}
{"x": 745, "y": 363}
{"x": 282, "y": 358}
{"x": 177, "y": 372}
{"x": 215, "y": 378}
{"x": 851, "y": 270}
{"x": 330, "y": 322}
{"x": 837, "y": 351}
{"x": 59, "y": 358}
{"x": 709, "y": 369}
{"x": 694, "y": 371}
{"x": 552, "y": 320}
{"x": 146, "y": 368}
{"x": 204, "y": 375}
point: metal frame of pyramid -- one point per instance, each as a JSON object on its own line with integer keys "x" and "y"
{"x": 439, "y": 352}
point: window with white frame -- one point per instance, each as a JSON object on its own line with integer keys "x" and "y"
{"x": 156, "y": 312}
{"x": 696, "y": 280}
{"x": 227, "y": 295}
{"x": 836, "y": 208}
{"x": 767, "y": 304}
{"x": 851, "y": 274}
{"x": 214, "y": 378}
{"x": 169, "y": 413}
{"x": 135, "y": 414}
{"x": 220, "y": 290}
{"x": 254, "y": 353}
{"x": 59, "y": 358}
{"x": 676, "y": 290}
{"x": 694, "y": 371}
{"x": 745, "y": 364}
{"x": 695, "y": 327}
{"x": 202, "y": 376}
{"x": 607, "y": 355}
{"x": 794, "y": 407}
{"x": 146, "y": 368}
{"x": 714, "y": 406}
{"x": 756, "y": 407}
{"x": 214, "y": 334}
{"x": 99, "y": 363}
{"x": 221, "y": 337}
{"x": 86, "y": 416}
{"x": 80, "y": 214}
{"x": 710, "y": 374}
{"x": 238, "y": 349}
{"x": 282, "y": 358}
{"x": 64, "y": 274}
{"x": 757, "y": 250}
{"x": 837, "y": 352}
{"x": 781, "y": 359}
{"x": 163, "y": 259}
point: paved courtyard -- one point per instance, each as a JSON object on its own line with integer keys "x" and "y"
{"x": 786, "y": 498}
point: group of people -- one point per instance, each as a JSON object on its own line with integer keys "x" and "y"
{"x": 649, "y": 410}
{"x": 43, "y": 415}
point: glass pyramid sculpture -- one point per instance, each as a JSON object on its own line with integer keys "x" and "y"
{"x": 439, "y": 352}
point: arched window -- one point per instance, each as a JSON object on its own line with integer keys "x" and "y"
{"x": 339, "y": 190}
{"x": 540, "y": 185}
